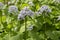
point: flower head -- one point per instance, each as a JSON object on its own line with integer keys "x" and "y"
{"x": 13, "y": 9}
{"x": 25, "y": 12}
{"x": 45, "y": 8}
{"x": 20, "y": 17}
{"x": 28, "y": 12}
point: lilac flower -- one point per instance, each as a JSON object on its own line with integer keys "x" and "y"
{"x": 13, "y": 9}
{"x": 26, "y": 12}
{"x": 30, "y": 13}
{"x": 20, "y": 17}
{"x": 45, "y": 8}
{"x": 23, "y": 12}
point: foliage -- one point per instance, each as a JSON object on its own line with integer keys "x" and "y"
{"x": 43, "y": 22}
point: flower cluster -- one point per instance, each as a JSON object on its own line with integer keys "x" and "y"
{"x": 13, "y": 9}
{"x": 44, "y": 8}
{"x": 25, "y": 12}
{"x": 1, "y": 5}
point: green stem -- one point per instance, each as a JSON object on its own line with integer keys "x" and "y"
{"x": 44, "y": 25}
{"x": 1, "y": 15}
{"x": 7, "y": 8}
{"x": 7, "y": 3}
{"x": 18, "y": 29}
{"x": 25, "y": 28}
{"x": 4, "y": 1}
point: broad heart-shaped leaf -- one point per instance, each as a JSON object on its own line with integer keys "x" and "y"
{"x": 54, "y": 35}
{"x": 3, "y": 18}
{"x": 34, "y": 35}
{"x": 7, "y": 37}
{"x": 42, "y": 36}
{"x": 30, "y": 38}
{"x": 0, "y": 38}
{"x": 57, "y": 25}
{"x": 38, "y": 21}
{"x": 17, "y": 37}
{"x": 23, "y": 5}
{"x": 10, "y": 25}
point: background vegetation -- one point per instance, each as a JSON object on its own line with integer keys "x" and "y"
{"x": 43, "y": 26}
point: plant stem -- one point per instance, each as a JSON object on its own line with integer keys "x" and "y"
{"x": 1, "y": 15}
{"x": 4, "y": 1}
{"x": 44, "y": 16}
{"x": 7, "y": 3}
{"x": 25, "y": 28}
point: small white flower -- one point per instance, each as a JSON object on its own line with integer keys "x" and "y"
{"x": 9, "y": 3}
{"x": 31, "y": 3}
{"x": 1, "y": 5}
{"x": 45, "y": 8}
{"x": 57, "y": 1}
{"x": 13, "y": 9}
{"x": 30, "y": 28}
{"x": 58, "y": 18}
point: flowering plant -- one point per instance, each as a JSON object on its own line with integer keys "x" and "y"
{"x": 29, "y": 20}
